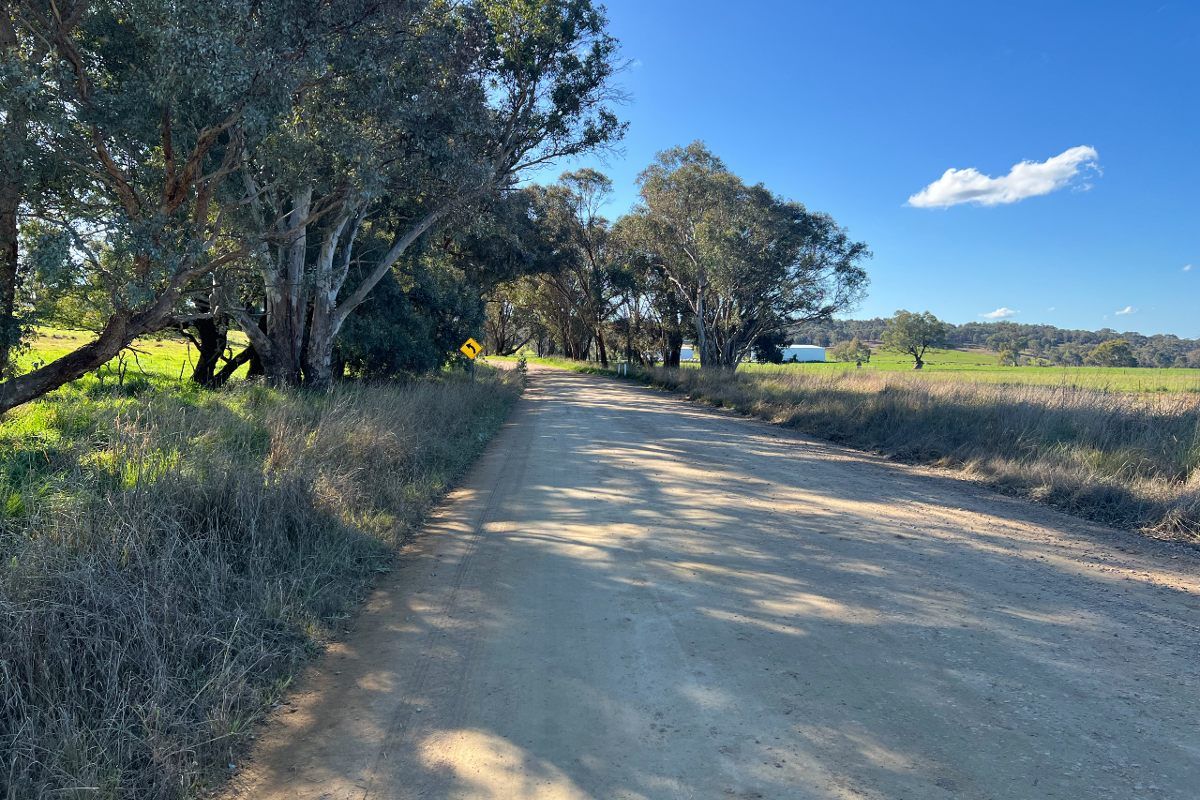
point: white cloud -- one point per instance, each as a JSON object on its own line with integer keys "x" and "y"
{"x": 1026, "y": 179}
{"x": 1187, "y": 267}
{"x": 1003, "y": 312}
{"x": 1052, "y": 308}
{"x": 1126, "y": 311}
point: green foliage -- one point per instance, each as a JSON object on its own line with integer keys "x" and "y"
{"x": 914, "y": 333}
{"x": 287, "y": 146}
{"x": 412, "y": 323}
{"x": 852, "y": 351}
{"x": 146, "y": 112}
{"x": 1113, "y": 353}
{"x": 768, "y": 347}
{"x": 747, "y": 262}
{"x": 551, "y": 60}
{"x": 703, "y": 251}
{"x": 1009, "y": 342}
{"x": 581, "y": 286}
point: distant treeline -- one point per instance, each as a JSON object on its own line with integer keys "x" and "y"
{"x": 1038, "y": 343}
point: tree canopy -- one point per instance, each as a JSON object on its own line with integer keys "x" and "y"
{"x": 265, "y": 165}
{"x": 853, "y": 350}
{"x": 914, "y": 333}
{"x": 1113, "y": 353}
{"x": 702, "y": 254}
{"x": 745, "y": 262}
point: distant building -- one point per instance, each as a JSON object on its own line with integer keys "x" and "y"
{"x": 803, "y": 352}
{"x": 791, "y": 353}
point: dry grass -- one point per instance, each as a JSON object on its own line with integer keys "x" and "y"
{"x": 167, "y": 563}
{"x": 1125, "y": 459}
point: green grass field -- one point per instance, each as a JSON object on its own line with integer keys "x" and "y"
{"x": 980, "y": 366}
{"x": 157, "y": 359}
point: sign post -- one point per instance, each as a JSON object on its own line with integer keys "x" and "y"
{"x": 471, "y": 348}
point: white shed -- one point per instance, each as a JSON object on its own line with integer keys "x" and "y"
{"x": 791, "y": 353}
{"x": 803, "y": 352}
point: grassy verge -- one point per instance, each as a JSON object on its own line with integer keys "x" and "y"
{"x": 169, "y": 558}
{"x": 1125, "y": 459}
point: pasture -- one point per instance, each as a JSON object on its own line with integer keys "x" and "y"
{"x": 166, "y": 357}
{"x": 981, "y": 366}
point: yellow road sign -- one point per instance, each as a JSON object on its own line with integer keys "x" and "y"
{"x": 471, "y": 348}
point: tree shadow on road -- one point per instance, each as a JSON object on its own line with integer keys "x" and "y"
{"x": 657, "y": 601}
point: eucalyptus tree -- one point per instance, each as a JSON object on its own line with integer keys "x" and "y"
{"x": 851, "y": 350}
{"x": 372, "y": 132}
{"x": 446, "y": 105}
{"x": 456, "y": 280}
{"x": 668, "y": 314}
{"x": 914, "y": 333}
{"x": 541, "y": 76}
{"x": 1112, "y": 353}
{"x": 155, "y": 102}
{"x": 651, "y": 316}
{"x": 587, "y": 280}
{"x": 506, "y": 321}
{"x": 556, "y": 323}
{"x": 1009, "y": 342}
{"x": 748, "y": 264}
{"x": 420, "y": 312}
{"x": 33, "y": 172}
{"x": 504, "y": 258}
{"x": 17, "y": 89}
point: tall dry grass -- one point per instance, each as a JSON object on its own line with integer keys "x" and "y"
{"x": 1131, "y": 460}
{"x": 168, "y": 563}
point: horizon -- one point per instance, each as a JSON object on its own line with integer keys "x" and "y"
{"x": 1118, "y": 331}
{"x": 1022, "y": 173}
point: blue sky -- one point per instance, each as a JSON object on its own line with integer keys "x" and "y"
{"x": 854, "y": 107}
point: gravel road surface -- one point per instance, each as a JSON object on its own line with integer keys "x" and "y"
{"x": 631, "y": 596}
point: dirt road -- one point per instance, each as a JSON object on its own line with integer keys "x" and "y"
{"x": 633, "y": 597}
